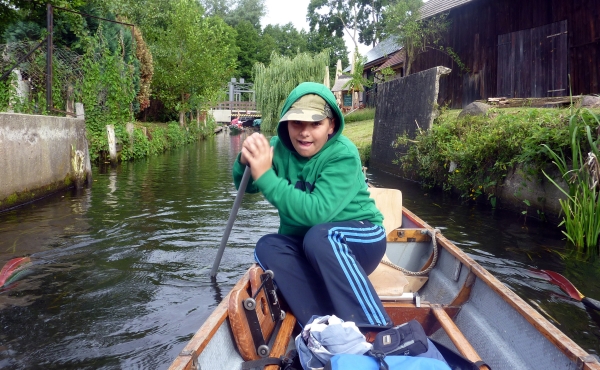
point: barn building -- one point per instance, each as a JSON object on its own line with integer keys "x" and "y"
{"x": 516, "y": 49}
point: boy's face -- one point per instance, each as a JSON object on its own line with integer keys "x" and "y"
{"x": 309, "y": 137}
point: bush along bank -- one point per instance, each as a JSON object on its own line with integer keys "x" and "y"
{"x": 150, "y": 139}
{"x": 474, "y": 155}
{"x": 108, "y": 92}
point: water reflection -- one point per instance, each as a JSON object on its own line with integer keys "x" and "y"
{"x": 216, "y": 289}
{"x": 121, "y": 274}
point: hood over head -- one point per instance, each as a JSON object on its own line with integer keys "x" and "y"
{"x": 310, "y": 102}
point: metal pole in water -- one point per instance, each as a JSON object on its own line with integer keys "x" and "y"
{"x": 232, "y": 216}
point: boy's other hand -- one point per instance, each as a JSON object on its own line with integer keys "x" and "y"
{"x": 258, "y": 154}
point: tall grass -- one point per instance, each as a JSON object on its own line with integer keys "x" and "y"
{"x": 360, "y": 115}
{"x": 581, "y": 172}
{"x": 361, "y": 134}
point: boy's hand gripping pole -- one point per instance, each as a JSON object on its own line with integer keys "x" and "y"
{"x": 232, "y": 216}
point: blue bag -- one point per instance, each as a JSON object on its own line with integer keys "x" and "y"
{"x": 361, "y": 362}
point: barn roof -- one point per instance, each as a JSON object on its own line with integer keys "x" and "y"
{"x": 339, "y": 84}
{"x": 382, "y": 50}
{"x": 397, "y": 58}
{"x": 433, "y": 7}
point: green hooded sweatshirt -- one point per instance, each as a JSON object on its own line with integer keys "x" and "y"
{"x": 327, "y": 187}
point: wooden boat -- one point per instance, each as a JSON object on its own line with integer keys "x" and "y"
{"x": 461, "y": 305}
{"x": 235, "y": 129}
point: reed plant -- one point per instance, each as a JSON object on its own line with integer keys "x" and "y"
{"x": 581, "y": 172}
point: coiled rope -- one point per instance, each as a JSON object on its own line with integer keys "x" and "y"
{"x": 432, "y": 233}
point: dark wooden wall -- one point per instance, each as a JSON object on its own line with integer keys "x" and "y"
{"x": 474, "y": 32}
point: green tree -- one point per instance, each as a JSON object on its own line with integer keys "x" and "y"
{"x": 374, "y": 23}
{"x": 288, "y": 40}
{"x": 274, "y": 82}
{"x": 236, "y": 11}
{"x": 413, "y": 33}
{"x": 194, "y": 56}
{"x": 317, "y": 42}
{"x": 362, "y": 20}
{"x": 265, "y": 49}
{"x": 23, "y": 31}
{"x": 12, "y": 11}
{"x": 152, "y": 16}
{"x": 247, "y": 10}
{"x": 357, "y": 81}
{"x": 218, "y": 8}
{"x": 26, "y": 21}
{"x": 248, "y": 42}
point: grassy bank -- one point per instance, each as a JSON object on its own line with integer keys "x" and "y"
{"x": 359, "y": 129}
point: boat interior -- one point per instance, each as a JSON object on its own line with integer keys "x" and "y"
{"x": 424, "y": 277}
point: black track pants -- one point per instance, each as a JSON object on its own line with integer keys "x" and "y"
{"x": 326, "y": 272}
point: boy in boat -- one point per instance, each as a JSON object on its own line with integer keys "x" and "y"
{"x": 330, "y": 235}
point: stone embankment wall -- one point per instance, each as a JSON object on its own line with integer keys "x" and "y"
{"x": 40, "y": 155}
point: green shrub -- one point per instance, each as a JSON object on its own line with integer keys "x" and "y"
{"x": 175, "y": 136}
{"x": 365, "y": 154}
{"x": 139, "y": 149}
{"x": 480, "y": 150}
{"x": 159, "y": 142}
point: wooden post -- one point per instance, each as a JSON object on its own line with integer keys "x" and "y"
{"x": 112, "y": 144}
{"x": 70, "y": 102}
{"x": 50, "y": 46}
{"x": 129, "y": 128}
{"x": 79, "y": 111}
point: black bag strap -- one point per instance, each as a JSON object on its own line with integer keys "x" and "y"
{"x": 480, "y": 363}
{"x": 261, "y": 363}
{"x": 287, "y": 362}
{"x": 380, "y": 357}
{"x": 461, "y": 362}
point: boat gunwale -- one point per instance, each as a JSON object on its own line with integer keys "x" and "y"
{"x": 560, "y": 340}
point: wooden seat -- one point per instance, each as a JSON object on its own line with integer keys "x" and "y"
{"x": 389, "y": 203}
{"x": 387, "y": 281}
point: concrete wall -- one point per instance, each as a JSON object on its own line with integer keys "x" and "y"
{"x": 40, "y": 155}
{"x": 403, "y": 106}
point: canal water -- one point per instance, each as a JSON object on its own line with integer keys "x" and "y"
{"x": 120, "y": 275}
